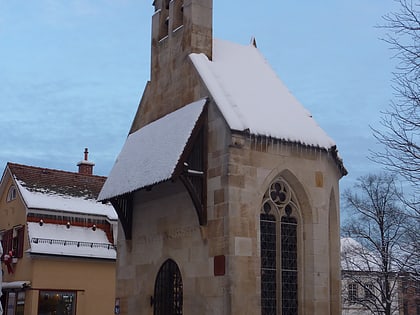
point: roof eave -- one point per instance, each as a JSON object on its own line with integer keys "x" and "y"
{"x": 332, "y": 150}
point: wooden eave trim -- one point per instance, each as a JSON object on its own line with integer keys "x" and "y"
{"x": 179, "y": 172}
{"x": 125, "y": 216}
{"x": 201, "y": 123}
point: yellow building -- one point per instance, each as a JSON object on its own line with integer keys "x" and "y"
{"x": 58, "y": 241}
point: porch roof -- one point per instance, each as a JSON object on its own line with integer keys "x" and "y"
{"x": 150, "y": 155}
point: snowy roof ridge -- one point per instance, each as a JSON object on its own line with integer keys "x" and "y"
{"x": 151, "y": 154}
{"x": 57, "y": 190}
{"x": 356, "y": 257}
{"x": 64, "y": 203}
{"x": 252, "y": 97}
{"x": 39, "y": 179}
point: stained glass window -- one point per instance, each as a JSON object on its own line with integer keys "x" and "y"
{"x": 268, "y": 264}
{"x": 279, "y": 251}
{"x": 289, "y": 272}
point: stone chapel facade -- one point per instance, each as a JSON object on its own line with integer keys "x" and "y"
{"x": 226, "y": 188}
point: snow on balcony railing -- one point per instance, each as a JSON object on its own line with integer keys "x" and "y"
{"x": 37, "y": 240}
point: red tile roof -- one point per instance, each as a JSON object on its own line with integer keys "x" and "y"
{"x": 61, "y": 182}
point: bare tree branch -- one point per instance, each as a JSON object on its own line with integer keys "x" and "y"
{"x": 383, "y": 245}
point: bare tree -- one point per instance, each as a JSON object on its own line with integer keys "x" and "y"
{"x": 401, "y": 121}
{"x": 373, "y": 259}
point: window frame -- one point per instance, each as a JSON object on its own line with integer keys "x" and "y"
{"x": 61, "y": 293}
{"x": 11, "y": 193}
{"x": 352, "y": 292}
{"x": 369, "y": 291}
{"x": 280, "y": 200}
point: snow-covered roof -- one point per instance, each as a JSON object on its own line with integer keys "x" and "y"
{"x": 56, "y": 190}
{"x": 150, "y": 155}
{"x": 57, "y": 239}
{"x": 51, "y": 200}
{"x": 355, "y": 257}
{"x": 252, "y": 97}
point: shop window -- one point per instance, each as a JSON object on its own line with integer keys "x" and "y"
{"x": 15, "y": 304}
{"x": 20, "y": 303}
{"x": 11, "y": 303}
{"x": 57, "y": 302}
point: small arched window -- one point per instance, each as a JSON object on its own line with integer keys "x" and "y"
{"x": 168, "y": 295}
{"x": 11, "y": 194}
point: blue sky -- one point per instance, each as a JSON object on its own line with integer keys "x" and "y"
{"x": 72, "y": 72}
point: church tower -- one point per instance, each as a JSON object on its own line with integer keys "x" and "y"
{"x": 179, "y": 28}
{"x": 226, "y": 189}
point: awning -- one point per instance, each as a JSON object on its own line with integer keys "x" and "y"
{"x": 151, "y": 154}
{"x": 15, "y": 285}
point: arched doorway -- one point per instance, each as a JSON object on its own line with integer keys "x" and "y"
{"x": 168, "y": 296}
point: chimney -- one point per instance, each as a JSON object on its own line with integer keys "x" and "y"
{"x": 86, "y": 167}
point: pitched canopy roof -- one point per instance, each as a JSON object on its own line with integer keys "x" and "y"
{"x": 151, "y": 154}
{"x": 50, "y": 189}
{"x": 252, "y": 98}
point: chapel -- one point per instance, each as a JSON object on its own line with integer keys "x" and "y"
{"x": 226, "y": 189}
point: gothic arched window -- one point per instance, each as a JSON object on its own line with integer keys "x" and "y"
{"x": 168, "y": 290}
{"x": 279, "y": 250}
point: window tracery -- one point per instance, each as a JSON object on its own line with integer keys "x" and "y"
{"x": 279, "y": 250}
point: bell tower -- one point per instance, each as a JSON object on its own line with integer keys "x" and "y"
{"x": 179, "y": 28}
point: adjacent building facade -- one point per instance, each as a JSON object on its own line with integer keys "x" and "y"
{"x": 59, "y": 254}
{"x": 226, "y": 188}
{"x": 363, "y": 284}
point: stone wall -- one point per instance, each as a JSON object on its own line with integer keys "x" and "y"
{"x": 240, "y": 169}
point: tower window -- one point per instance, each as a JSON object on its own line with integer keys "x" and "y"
{"x": 178, "y": 14}
{"x": 164, "y": 20}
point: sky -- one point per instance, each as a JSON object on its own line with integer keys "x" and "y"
{"x": 72, "y": 72}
